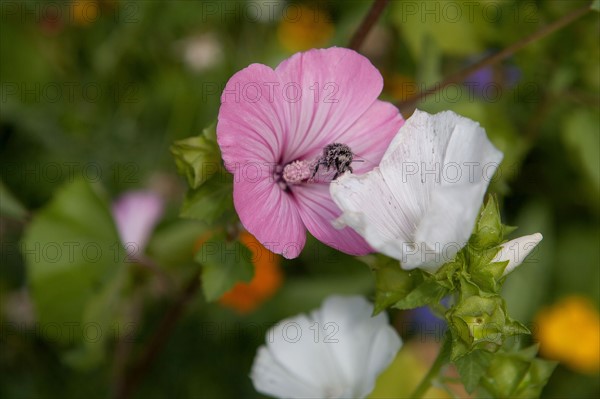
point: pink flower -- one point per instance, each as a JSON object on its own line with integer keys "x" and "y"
{"x": 136, "y": 214}
{"x": 272, "y": 128}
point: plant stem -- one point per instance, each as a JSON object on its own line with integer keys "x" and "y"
{"x": 367, "y": 23}
{"x": 158, "y": 340}
{"x": 433, "y": 372}
{"x": 408, "y": 106}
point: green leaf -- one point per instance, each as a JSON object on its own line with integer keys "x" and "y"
{"x": 536, "y": 379}
{"x": 482, "y": 272}
{"x": 472, "y": 367}
{"x": 392, "y": 283}
{"x": 580, "y": 134}
{"x": 10, "y": 205}
{"x": 488, "y": 229}
{"x": 75, "y": 265}
{"x": 198, "y": 158}
{"x": 595, "y": 5}
{"x": 172, "y": 245}
{"x": 426, "y": 293}
{"x": 517, "y": 374}
{"x": 224, "y": 263}
{"x": 211, "y": 200}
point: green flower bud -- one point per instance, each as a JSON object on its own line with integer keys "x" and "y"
{"x": 476, "y": 322}
{"x": 488, "y": 229}
{"x": 517, "y": 374}
{"x": 197, "y": 158}
{"x": 479, "y": 322}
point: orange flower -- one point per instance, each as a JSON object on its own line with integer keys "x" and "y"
{"x": 84, "y": 11}
{"x": 400, "y": 87}
{"x": 569, "y": 331}
{"x": 246, "y": 297}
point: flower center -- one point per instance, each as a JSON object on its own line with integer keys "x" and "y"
{"x": 296, "y": 172}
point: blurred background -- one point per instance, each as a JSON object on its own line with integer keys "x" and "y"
{"x": 93, "y": 94}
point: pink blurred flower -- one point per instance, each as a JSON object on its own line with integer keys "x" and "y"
{"x": 136, "y": 213}
{"x": 273, "y": 126}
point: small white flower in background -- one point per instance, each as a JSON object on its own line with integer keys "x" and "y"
{"x": 335, "y": 352}
{"x": 202, "y": 52}
{"x": 136, "y": 214}
{"x": 420, "y": 205}
{"x": 268, "y": 11}
{"x": 515, "y": 251}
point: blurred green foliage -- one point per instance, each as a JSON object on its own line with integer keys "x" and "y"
{"x": 91, "y": 104}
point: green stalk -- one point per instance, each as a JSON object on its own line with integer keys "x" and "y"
{"x": 441, "y": 359}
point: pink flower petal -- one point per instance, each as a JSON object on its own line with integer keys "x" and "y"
{"x": 269, "y": 213}
{"x": 251, "y": 125}
{"x": 370, "y": 136}
{"x": 136, "y": 213}
{"x": 336, "y": 87}
{"x": 318, "y": 211}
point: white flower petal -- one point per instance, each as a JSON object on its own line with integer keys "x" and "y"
{"x": 337, "y": 352}
{"x": 470, "y": 156}
{"x": 382, "y": 226}
{"x": 446, "y": 228}
{"x": 292, "y": 343}
{"x": 384, "y": 347}
{"x": 515, "y": 251}
{"x": 271, "y": 378}
{"x": 419, "y": 206}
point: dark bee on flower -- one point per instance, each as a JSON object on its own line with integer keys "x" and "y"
{"x": 337, "y": 156}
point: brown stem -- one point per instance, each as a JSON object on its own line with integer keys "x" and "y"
{"x": 408, "y": 106}
{"x": 124, "y": 345}
{"x": 148, "y": 263}
{"x": 367, "y": 24}
{"x": 158, "y": 340}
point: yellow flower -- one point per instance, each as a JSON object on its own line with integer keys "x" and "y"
{"x": 569, "y": 331}
{"x": 246, "y": 297}
{"x": 303, "y": 28}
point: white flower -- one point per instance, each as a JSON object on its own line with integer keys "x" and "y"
{"x": 202, "y": 52}
{"x": 336, "y": 352}
{"x": 419, "y": 206}
{"x": 515, "y": 251}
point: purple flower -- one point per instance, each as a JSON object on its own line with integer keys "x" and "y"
{"x": 273, "y": 126}
{"x": 136, "y": 213}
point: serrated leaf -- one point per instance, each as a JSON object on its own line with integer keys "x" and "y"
{"x": 514, "y": 327}
{"x": 488, "y": 229}
{"x": 224, "y": 263}
{"x": 392, "y": 283}
{"x": 482, "y": 272}
{"x": 425, "y": 293}
{"x": 198, "y": 158}
{"x": 211, "y": 200}
{"x": 472, "y": 367}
